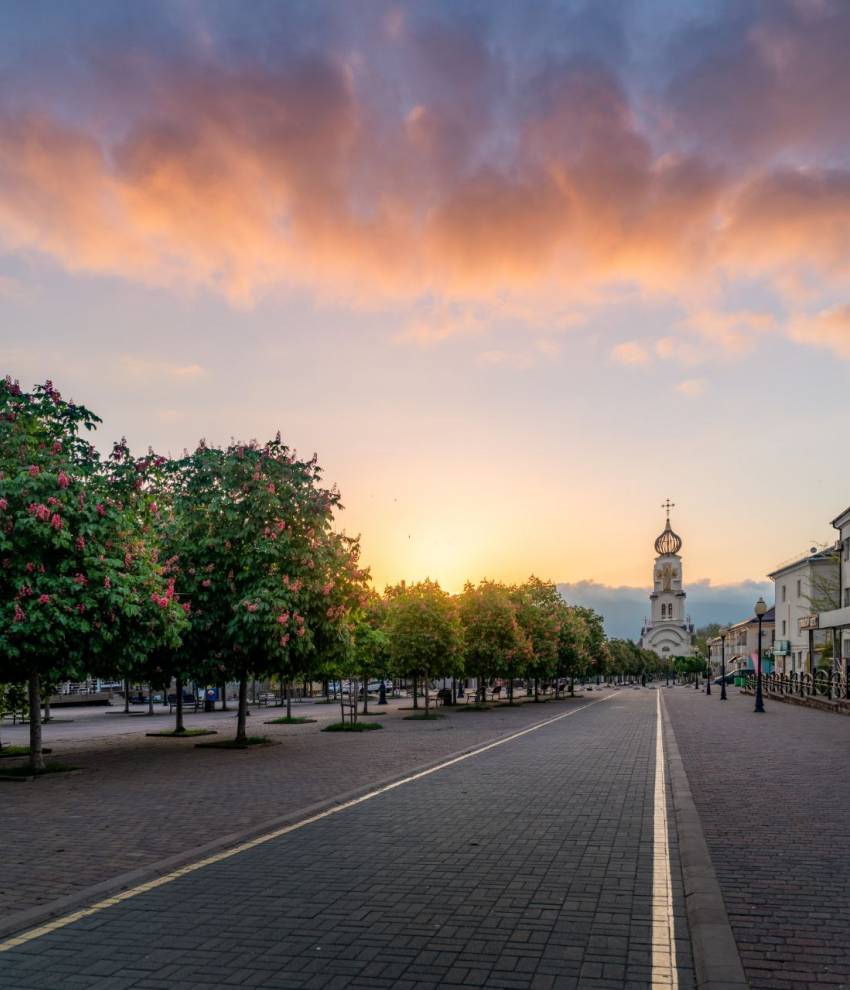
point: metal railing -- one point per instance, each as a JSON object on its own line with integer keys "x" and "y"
{"x": 828, "y": 685}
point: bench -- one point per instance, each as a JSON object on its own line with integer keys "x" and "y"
{"x": 444, "y": 697}
{"x": 189, "y": 701}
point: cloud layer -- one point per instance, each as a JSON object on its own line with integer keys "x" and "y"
{"x": 625, "y": 607}
{"x": 382, "y": 152}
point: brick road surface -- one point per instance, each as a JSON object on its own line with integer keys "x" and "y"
{"x": 773, "y": 793}
{"x": 151, "y": 798}
{"x": 525, "y": 867}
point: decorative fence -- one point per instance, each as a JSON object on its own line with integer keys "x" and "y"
{"x": 825, "y": 685}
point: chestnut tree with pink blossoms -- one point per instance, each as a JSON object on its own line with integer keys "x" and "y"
{"x": 254, "y": 561}
{"x": 81, "y": 589}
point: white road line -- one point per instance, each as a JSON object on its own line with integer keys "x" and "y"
{"x": 664, "y": 971}
{"x": 125, "y": 895}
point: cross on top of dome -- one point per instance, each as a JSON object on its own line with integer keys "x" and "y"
{"x": 668, "y": 542}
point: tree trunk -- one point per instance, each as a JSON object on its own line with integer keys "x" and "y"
{"x": 365, "y": 694}
{"x": 427, "y": 692}
{"x": 241, "y": 734}
{"x": 289, "y": 699}
{"x": 326, "y": 688}
{"x": 36, "y": 756}
{"x": 150, "y": 699}
{"x": 415, "y": 692}
{"x": 510, "y": 689}
{"x": 126, "y": 696}
{"x": 179, "y": 727}
{"x": 572, "y": 686}
{"x": 536, "y": 689}
{"x": 355, "y": 684}
{"x": 223, "y": 689}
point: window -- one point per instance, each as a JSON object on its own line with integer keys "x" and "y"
{"x": 846, "y": 597}
{"x": 783, "y": 625}
{"x": 799, "y": 588}
{"x": 783, "y": 592}
{"x": 847, "y": 549}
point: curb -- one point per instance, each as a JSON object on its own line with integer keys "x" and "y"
{"x": 717, "y": 963}
{"x": 15, "y": 923}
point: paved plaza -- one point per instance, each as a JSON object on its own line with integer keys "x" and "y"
{"x": 548, "y": 856}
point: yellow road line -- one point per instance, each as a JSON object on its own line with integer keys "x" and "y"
{"x": 664, "y": 972}
{"x": 125, "y": 895}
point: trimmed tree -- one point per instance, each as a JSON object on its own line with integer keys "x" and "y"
{"x": 425, "y": 633}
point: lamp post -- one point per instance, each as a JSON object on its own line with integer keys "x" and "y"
{"x": 708, "y": 667}
{"x": 723, "y": 633}
{"x": 760, "y": 608}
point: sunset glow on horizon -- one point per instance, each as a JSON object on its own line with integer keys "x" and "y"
{"x": 517, "y": 272}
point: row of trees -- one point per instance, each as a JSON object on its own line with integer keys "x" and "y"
{"x": 224, "y": 565}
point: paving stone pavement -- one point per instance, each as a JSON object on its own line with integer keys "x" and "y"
{"x": 773, "y": 794}
{"x": 147, "y": 799}
{"x": 525, "y": 867}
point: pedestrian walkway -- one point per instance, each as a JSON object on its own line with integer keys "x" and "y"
{"x": 530, "y": 865}
{"x": 773, "y": 794}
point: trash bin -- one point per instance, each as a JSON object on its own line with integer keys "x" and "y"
{"x": 209, "y": 699}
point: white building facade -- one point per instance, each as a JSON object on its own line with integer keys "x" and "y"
{"x": 797, "y": 584}
{"x": 838, "y": 620}
{"x": 668, "y": 631}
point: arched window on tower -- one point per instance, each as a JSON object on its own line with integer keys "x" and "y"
{"x": 663, "y": 611}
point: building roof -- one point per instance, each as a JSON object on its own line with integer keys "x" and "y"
{"x": 841, "y": 515}
{"x": 769, "y": 616}
{"x": 803, "y": 558}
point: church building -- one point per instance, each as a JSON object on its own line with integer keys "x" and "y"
{"x": 669, "y": 631}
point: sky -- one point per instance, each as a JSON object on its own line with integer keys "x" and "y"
{"x": 517, "y": 272}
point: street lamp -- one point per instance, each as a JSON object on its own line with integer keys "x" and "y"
{"x": 760, "y": 608}
{"x": 723, "y": 633}
{"x": 708, "y": 666}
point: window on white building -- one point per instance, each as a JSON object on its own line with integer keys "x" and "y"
{"x": 783, "y": 624}
{"x": 846, "y": 597}
{"x": 847, "y": 549}
{"x": 799, "y": 588}
{"x": 783, "y": 592}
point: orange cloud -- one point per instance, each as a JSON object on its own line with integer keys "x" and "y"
{"x": 630, "y": 353}
{"x": 236, "y": 180}
{"x": 829, "y": 329}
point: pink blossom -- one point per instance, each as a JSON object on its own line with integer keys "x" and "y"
{"x": 4, "y": 504}
{"x": 30, "y": 567}
{"x": 326, "y": 590}
{"x": 206, "y": 583}
{"x": 271, "y": 489}
{"x": 301, "y": 631}
{"x": 106, "y": 583}
{"x": 33, "y": 470}
{"x": 53, "y": 501}
{"x": 80, "y": 579}
{"x": 252, "y": 608}
{"x": 99, "y": 509}
{"x": 286, "y": 579}
{"x": 44, "y": 599}
{"x": 186, "y": 606}
{"x": 63, "y": 479}
{"x": 284, "y": 640}
{"x": 153, "y": 508}
{"x": 19, "y": 615}
{"x": 56, "y": 521}
{"x": 81, "y": 542}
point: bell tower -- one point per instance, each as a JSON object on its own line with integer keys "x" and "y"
{"x": 669, "y": 631}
